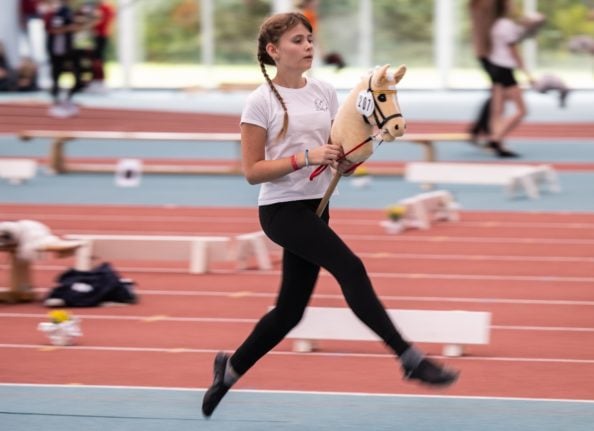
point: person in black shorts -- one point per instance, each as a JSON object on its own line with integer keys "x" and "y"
{"x": 505, "y": 58}
{"x": 60, "y": 28}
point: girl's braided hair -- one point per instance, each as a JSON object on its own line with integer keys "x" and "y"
{"x": 271, "y": 31}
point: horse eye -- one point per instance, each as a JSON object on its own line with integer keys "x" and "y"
{"x": 382, "y": 98}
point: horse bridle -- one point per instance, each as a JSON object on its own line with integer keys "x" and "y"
{"x": 377, "y": 109}
{"x": 378, "y": 123}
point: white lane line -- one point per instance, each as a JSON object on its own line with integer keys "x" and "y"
{"x": 469, "y": 239}
{"x": 277, "y": 391}
{"x": 233, "y": 320}
{"x": 272, "y": 295}
{"x": 384, "y": 297}
{"x": 170, "y": 218}
{"x": 42, "y": 347}
{"x": 388, "y": 275}
{"x": 475, "y": 257}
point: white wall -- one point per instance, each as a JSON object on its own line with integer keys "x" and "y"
{"x": 9, "y": 29}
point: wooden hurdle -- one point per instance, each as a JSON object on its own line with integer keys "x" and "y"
{"x": 423, "y": 209}
{"x": 198, "y": 251}
{"x": 452, "y": 328}
{"x": 514, "y": 177}
{"x": 254, "y": 245}
{"x": 17, "y": 171}
{"x": 59, "y": 165}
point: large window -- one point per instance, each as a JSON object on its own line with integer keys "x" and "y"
{"x": 550, "y": 51}
{"x": 169, "y": 35}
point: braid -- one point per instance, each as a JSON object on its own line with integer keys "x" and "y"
{"x": 283, "y": 130}
{"x": 270, "y": 32}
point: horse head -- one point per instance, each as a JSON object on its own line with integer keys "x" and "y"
{"x": 372, "y": 104}
{"x": 386, "y": 114}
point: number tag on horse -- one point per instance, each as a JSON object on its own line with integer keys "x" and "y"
{"x": 365, "y": 105}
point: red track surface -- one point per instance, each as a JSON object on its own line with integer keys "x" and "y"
{"x": 533, "y": 272}
{"x": 31, "y": 116}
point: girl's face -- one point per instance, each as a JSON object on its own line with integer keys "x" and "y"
{"x": 294, "y": 49}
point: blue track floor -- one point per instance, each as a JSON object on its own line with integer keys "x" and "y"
{"x": 63, "y": 408}
{"x": 233, "y": 191}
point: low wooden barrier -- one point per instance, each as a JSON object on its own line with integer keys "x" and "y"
{"x": 514, "y": 177}
{"x": 452, "y": 328}
{"x": 17, "y": 171}
{"x": 59, "y": 165}
{"x": 198, "y": 251}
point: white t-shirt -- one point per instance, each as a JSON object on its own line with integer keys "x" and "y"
{"x": 311, "y": 109}
{"x": 504, "y": 33}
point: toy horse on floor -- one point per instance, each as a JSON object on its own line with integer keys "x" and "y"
{"x": 369, "y": 115}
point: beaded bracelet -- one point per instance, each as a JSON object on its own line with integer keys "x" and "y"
{"x": 294, "y": 162}
{"x": 306, "y": 158}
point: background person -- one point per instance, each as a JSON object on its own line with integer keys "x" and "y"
{"x": 27, "y": 75}
{"x": 105, "y": 14}
{"x": 309, "y": 9}
{"x": 482, "y": 17}
{"x": 60, "y": 28}
{"x": 7, "y": 74}
{"x": 505, "y": 59}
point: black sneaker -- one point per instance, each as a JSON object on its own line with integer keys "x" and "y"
{"x": 507, "y": 154}
{"x": 217, "y": 391}
{"x": 500, "y": 151}
{"x": 431, "y": 373}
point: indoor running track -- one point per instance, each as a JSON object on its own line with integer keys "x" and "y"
{"x": 145, "y": 366}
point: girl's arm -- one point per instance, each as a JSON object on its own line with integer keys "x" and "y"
{"x": 257, "y": 169}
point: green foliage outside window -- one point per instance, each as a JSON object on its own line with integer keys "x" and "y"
{"x": 170, "y": 31}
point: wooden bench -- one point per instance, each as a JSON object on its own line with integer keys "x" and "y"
{"x": 58, "y": 164}
{"x": 254, "y": 245}
{"x": 422, "y": 210}
{"x": 198, "y": 251}
{"x": 454, "y": 329}
{"x": 17, "y": 171}
{"x": 20, "y": 287}
{"x": 514, "y": 177}
{"x": 429, "y": 140}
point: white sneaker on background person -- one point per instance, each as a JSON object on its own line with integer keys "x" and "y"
{"x": 96, "y": 87}
{"x": 57, "y": 110}
{"x": 71, "y": 108}
{"x": 65, "y": 109}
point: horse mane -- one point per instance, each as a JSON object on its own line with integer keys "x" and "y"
{"x": 349, "y": 129}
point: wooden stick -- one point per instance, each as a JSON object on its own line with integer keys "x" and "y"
{"x": 329, "y": 191}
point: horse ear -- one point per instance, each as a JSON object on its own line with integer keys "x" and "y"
{"x": 399, "y": 73}
{"x": 379, "y": 75}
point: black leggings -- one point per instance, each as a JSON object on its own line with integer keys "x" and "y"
{"x": 309, "y": 243}
{"x": 481, "y": 124}
{"x": 61, "y": 64}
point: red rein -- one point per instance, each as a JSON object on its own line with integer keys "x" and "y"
{"x": 322, "y": 168}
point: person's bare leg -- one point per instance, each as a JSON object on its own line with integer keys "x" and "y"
{"x": 506, "y": 124}
{"x": 501, "y": 124}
